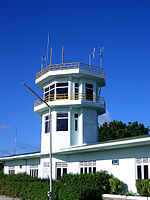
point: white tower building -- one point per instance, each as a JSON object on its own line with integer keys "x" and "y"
{"x": 71, "y": 90}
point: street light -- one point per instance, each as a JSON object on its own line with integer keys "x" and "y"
{"x": 50, "y": 153}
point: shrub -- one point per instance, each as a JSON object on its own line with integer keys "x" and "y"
{"x": 98, "y": 180}
{"x": 143, "y": 187}
{"x": 116, "y": 186}
{"x": 69, "y": 187}
{"x": 78, "y": 192}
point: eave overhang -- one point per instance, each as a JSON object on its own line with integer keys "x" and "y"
{"x": 110, "y": 145}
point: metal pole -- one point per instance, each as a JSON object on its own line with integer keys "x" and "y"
{"x": 15, "y": 143}
{"x": 90, "y": 60}
{"x": 62, "y": 59}
{"x": 50, "y": 153}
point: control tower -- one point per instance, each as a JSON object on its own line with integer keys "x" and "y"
{"x": 72, "y": 92}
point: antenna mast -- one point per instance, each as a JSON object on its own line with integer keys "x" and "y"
{"x": 62, "y": 58}
{"x": 47, "y": 50}
{"x": 42, "y": 60}
{"x": 50, "y": 56}
{"x": 101, "y": 54}
{"x": 93, "y": 53}
{"x": 15, "y": 142}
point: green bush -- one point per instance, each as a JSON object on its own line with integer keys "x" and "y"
{"x": 68, "y": 187}
{"x": 116, "y": 186}
{"x": 80, "y": 192}
{"x": 143, "y": 187}
{"x": 98, "y": 180}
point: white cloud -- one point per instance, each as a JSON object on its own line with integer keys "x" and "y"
{"x": 104, "y": 118}
{"x": 5, "y": 127}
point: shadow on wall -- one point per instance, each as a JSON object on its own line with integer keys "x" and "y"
{"x": 124, "y": 187}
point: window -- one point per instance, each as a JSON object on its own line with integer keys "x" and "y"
{"x": 115, "y": 162}
{"x": 49, "y": 93}
{"x": 47, "y": 124}
{"x": 89, "y": 91}
{"x": 62, "y": 121}
{"x": 11, "y": 170}
{"x": 61, "y": 168}
{"x": 62, "y": 90}
{"x": 76, "y": 121}
{"x": 145, "y": 171}
{"x": 46, "y": 170}
{"x": 56, "y": 91}
{"x": 142, "y": 168}
{"x": 76, "y": 89}
{"x": 139, "y": 173}
{"x": 87, "y": 167}
{"x": 34, "y": 170}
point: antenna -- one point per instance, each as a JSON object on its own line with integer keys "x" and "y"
{"x": 47, "y": 50}
{"x": 93, "y": 53}
{"x": 62, "y": 58}
{"x": 15, "y": 142}
{"x": 101, "y": 54}
{"x": 50, "y": 56}
{"x": 42, "y": 61}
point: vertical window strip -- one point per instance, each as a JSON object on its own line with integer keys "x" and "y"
{"x": 76, "y": 121}
{"x": 47, "y": 124}
{"x": 76, "y": 90}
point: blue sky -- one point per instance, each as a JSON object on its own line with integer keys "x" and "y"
{"x": 121, "y": 26}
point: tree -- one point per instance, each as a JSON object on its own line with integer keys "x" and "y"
{"x": 117, "y": 129}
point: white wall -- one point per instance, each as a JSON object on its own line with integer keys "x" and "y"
{"x": 22, "y": 165}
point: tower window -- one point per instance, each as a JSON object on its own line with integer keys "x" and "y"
{"x": 47, "y": 124}
{"x": 62, "y": 121}
{"x": 56, "y": 91}
{"x": 76, "y": 91}
{"x": 49, "y": 93}
{"x": 62, "y": 90}
{"x": 76, "y": 121}
{"x": 89, "y": 91}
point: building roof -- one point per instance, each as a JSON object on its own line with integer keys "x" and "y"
{"x": 23, "y": 156}
{"x": 111, "y": 144}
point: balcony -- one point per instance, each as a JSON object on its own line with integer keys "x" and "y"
{"x": 73, "y": 99}
{"x": 67, "y": 66}
{"x": 70, "y": 70}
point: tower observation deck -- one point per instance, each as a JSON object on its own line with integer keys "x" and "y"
{"x": 58, "y": 95}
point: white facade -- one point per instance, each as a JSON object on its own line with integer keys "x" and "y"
{"x": 72, "y": 92}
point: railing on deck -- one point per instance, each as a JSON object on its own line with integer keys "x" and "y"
{"x": 74, "y": 65}
{"x": 71, "y": 96}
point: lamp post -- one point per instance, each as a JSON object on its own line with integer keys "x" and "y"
{"x": 50, "y": 153}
